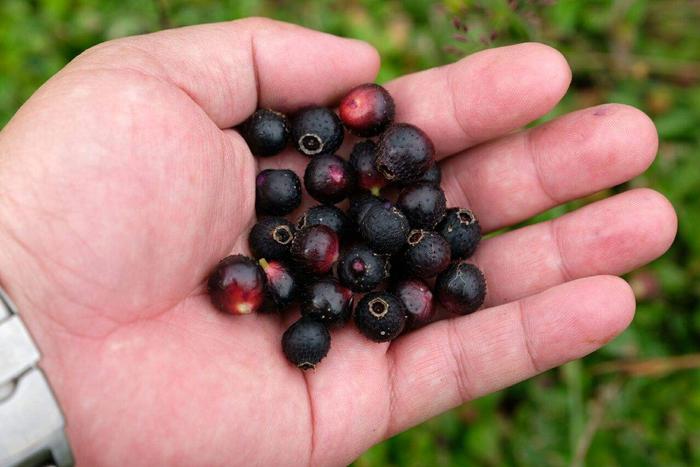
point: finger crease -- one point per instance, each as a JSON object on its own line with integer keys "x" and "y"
{"x": 556, "y": 241}
{"x": 526, "y": 337}
{"x": 459, "y": 360}
{"x": 529, "y": 147}
{"x": 452, "y": 91}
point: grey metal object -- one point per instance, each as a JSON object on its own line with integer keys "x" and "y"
{"x": 31, "y": 423}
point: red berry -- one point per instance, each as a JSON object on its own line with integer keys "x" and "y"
{"x": 237, "y": 285}
{"x": 315, "y": 248}
{"x": 367, "y": 110}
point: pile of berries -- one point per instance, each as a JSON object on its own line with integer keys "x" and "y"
{"x": 389, "y": 251}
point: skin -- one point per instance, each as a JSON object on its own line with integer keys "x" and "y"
{"x": 122, "y": 187}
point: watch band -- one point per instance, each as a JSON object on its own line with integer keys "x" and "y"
{"x": 31, "y": 423}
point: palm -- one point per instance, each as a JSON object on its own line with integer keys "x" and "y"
{"x": 144, "y": 193}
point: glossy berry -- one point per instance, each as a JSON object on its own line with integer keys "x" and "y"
{"x": 316, "y": 130}
{"x": 328, "y": 301}
{"x": 432, "y": 175}
{"x": 367, "y": 110}
{"x": 461, "y": 288}
{"x": 385, "y": 229}
{"x": 361, "y": 269}
{"x": 362, "y": 159}
{"x": 271, "y": 237}
{"x": 237, "y": 285}
{"x": 427, "y": 253}
{"x": 306, "y": 342}
{"x": 277, "y": 192}
{"x": 380, "y": 316}
{"x": 330, "y": 216}
{"x": 361, "y": 203}
{"x": 461, "y": 230}
{"x": 280, "y": 287}
{"x": 417, "y": 299}
{"x": 404, "y": 153}
{"x": 266, "y": 132}
{"x": 315, "y": 248}
{"x": 424, "y": 205}
{"x": 329, "y": 179}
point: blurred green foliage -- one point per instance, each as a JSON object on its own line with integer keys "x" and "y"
{"x": 645, "y": 53}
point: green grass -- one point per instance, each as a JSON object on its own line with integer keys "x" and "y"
{"x": 643, "y": 53}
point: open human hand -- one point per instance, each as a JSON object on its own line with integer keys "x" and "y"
{"x": 123, "y": 185}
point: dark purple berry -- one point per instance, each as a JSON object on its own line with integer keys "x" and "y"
{"x": 329, "y": 179}
{"x": 281, "y": 286}
{"x": 432, "y": 175}
{"x": 328, "y": 301}
{"x": 237, "y": 285}
{"x": 362, "y": 158}
{"x": 380, "y": 316}
{"x": 427, "y": 254}
{"x": 461, "y": 288}
{"x": 417, "y": 299}
{"x": 424, "y": 205}
{"x": 330, "y": 216}
{"x": 361, "y": 269}
{"x": 385, "y": 229}
{"x": 367, "y": 110}
{"x": 271, "y": 238}
{"x": 277, "y": 192}
{"x": 404, "y": 153}
{"x": 361, "y": 203}
{"x": 315, "y": 248}
{"x": 266, "y": 132}
{"x": 316, "y": 130}
{"x": 461, "y": 230}
{"x": 306, "y": 342}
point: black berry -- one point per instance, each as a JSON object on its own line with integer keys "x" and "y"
{"x": 362, "y": 159}
{"x": 361, "y": 269}
{"x": 315, "y": 248}
{"x": 237, "y": 285}
{"x": 427, "y": 253}
{"x": 328, "y": 301}
{"x": 330, "y": 216}
{"x": 460, "y": 228}
{"x": 316, "y": 130}
{"x": 404, "y": 153}
{"x": 271, "y": 238}
{"x": 417, "y": 299}
{"x": 281, "y": 285}
{"x": 306, "y": 342}
{"x": 461, "y": 288}
{"x": 424, "y": 205}
{"x": 367, "y": 110}
{"x": 385, "y": 229}
{"x": 329, "y": 179}
{"x": 380, "y": 316}
{"x": 432, "y": 175}
{"x": 266, "y": 132}
{"x": 361, "y": 203}
{"x": 277, "y": 192}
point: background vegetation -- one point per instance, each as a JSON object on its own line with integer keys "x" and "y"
{"x": 634, "y": 403}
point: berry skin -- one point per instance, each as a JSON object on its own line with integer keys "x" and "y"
{"x": 361, "y": 269}
{"x": 277, "y": 192}
{"x": 237, "y": 285}
{"x": 266, "y": 132}
{"x": 380, "y": 316}
{"x": 427, "y": 254}
{"x": 460, "y": 228}
{"x": 315, "y": 248}
{"x": 418, "y": 301}
{"x": 328, "y": 301}
{"x": 330, "y": 216}
{"x": 385, "y": 229}
{"x": 271, "y": 238}
{"x": 424, "y": 205}
{"x": 329, "y": 179}
{"x": 362, "y": 158}
{"x": 306, "y": 342}
{"x": 367, "y": 110}
{"x": 461, "y": 288}
{"x": 316, "y": 130}
{"x": 361, "y": 203}
{"x": 281, "y": 285}
{"x": 404, "y": 153}
{"x": 432, "y": 175}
